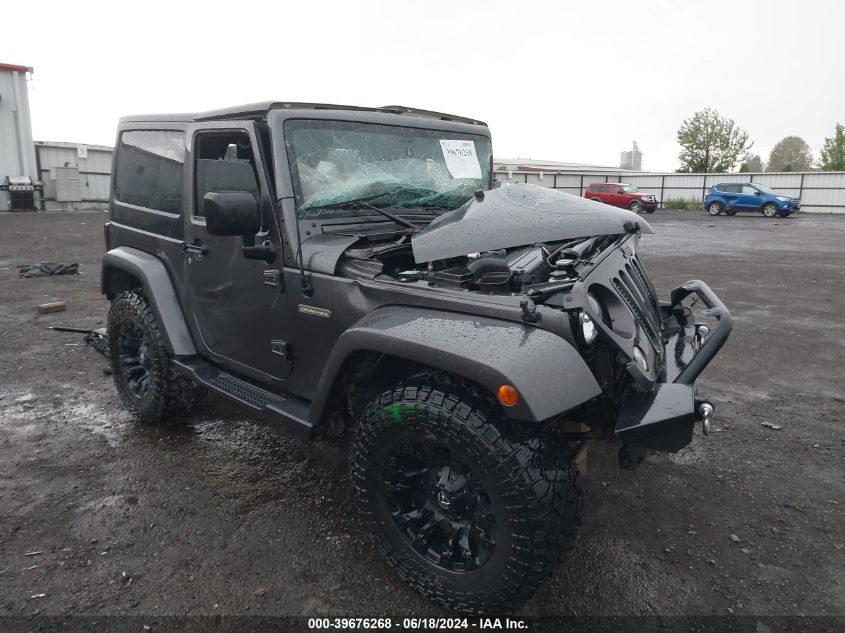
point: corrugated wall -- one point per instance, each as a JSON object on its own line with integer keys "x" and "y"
{"x": 16, "y": 155}
{"x": 94, "y": 173}
{"x": 819, "y": 191}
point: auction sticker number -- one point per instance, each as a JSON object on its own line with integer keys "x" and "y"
{"x": 461, "y": 159}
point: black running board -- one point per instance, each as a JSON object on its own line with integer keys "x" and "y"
{"x": 291, "y": 413}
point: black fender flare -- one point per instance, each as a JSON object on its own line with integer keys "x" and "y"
{"x": 158, "y": 288}
{"x": 547, "y": 371}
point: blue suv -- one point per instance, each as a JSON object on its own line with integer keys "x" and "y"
{"x": 731, "y": 197}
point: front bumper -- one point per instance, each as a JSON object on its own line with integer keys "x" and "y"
{"x": 663, "y": 418}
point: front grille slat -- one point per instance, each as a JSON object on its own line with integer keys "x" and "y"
{"x": 644, "y": 300}
{"x": 634, "y": 287}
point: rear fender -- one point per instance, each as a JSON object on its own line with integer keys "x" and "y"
{"x": 153, "y": 278}
{"x": 547, "y": 371}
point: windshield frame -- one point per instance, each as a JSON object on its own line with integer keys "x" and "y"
{"x": 276, "y": 119}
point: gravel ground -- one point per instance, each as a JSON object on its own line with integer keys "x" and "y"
{"x": 226, "y": 516}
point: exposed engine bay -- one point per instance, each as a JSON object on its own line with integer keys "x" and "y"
{"x": 536, "y": 270}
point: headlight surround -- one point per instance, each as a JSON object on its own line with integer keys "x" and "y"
{"x": 588, "y": 327}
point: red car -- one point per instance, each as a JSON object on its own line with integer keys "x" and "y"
{"x": 619, "y": 194}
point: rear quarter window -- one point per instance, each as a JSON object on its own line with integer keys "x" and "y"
{"x": 149, "y": 169}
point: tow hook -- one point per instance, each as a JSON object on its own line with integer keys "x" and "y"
{"x": 705, "y": 412}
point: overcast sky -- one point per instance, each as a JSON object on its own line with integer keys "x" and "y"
{"x": 554, "y": 80}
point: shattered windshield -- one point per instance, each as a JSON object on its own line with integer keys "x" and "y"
{"x": 342, "y": 168}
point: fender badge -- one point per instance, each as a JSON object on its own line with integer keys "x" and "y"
{"x": 313, "y": 311}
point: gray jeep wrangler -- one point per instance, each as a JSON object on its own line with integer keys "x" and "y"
{"x": 354, "y": 269}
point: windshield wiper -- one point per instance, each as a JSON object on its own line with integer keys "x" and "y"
{"x": 364, "y": 202}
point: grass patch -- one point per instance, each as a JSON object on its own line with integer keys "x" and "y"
{"x": 682, "y": 204}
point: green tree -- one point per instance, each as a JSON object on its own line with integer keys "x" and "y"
{"x": 790, "y": 154}
{"x": 711, "y": 143}
{"x": 752, "y": 163}
{"x": 832, "y": 156}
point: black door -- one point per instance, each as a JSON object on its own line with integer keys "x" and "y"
{"x": 234, "y": 305}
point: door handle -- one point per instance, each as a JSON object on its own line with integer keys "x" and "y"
{"x": 197, "y": 249}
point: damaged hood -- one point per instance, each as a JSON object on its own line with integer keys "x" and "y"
{"x": 518, "y": 215}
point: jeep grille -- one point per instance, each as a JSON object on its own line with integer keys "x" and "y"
{"x": 635, "y": 288}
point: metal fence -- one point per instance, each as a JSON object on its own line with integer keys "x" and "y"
{"x": 819, "y": 191}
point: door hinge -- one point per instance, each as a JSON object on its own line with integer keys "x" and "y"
{"x": 273, "y": 278}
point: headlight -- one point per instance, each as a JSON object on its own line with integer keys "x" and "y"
{"x": 588, "y": 327}
{"x": 782, "y": 198}
{"x": 640, "y": 359}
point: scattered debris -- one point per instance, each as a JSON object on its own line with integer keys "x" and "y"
{"x": 36, "y": 553}
{"x": 55, "y": 306}
{"x": 31, "y": 567}
{"x": 98, "y": 339}
{"x": 45, "y": 269}
{"x": 735, "y": 538}
{"x": 771, "y": 425}
{"x": 27, "y": 398}
{"x": 38, "y": 595}
{"x": 745, "y": 550}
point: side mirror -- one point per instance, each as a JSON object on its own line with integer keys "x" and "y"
{"x": 231, "y": 213}
{"x": 757, "y": 193}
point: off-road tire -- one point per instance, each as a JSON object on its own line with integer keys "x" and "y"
{"x": 636, "y": 207}
{"x": 531, "y": 481}
{"x": 770, "y": 210}
{"x": 715, "y": 208}
{"x": 168, "y": 394}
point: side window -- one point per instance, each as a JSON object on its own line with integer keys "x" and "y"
{"x": 748, "y": 190}
{"x": 149, "y": 169}
{"x": 730, "y": 188}
{"x": 224, "y": 162}
{"x": 601, "y": 188}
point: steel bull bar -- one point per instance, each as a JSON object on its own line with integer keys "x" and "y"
{"x": 663, "y": 419}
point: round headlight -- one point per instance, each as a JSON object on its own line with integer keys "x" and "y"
{"x": 588, "y": 326}
{"x": 640, "y": 359}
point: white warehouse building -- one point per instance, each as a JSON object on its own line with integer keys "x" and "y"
{"x": 41, "y": 174}
{"x": 18, "y": 167}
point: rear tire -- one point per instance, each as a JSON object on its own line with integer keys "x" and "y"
{"x": 468, "y": 511}
{"x": 596, "y": 199}
{"x": 770, "y": 209}
{"x": 141, "y": 366}
{"x": 715, "y": 208}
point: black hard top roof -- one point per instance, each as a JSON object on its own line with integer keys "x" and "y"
{"x": 260, "y": 111}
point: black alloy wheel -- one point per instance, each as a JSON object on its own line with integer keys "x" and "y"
{"x": 439, "y": 505}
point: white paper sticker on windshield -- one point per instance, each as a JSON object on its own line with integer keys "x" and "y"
{"x": 461, "y": 159}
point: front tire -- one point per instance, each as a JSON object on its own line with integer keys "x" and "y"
{"x": 468, "y": 511}
{"x": 770, "y": 209}
{"x": 141, "y": 366}
{"x": 715, "y": 208}
{"x": 636, "y": 207}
